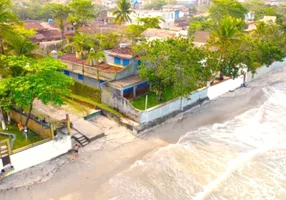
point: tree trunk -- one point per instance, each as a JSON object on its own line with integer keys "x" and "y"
{"x": 97, "y": 76}
{"x": 2, "y": 47}
{"x": 159, "y": 95}
{"x": 28, "y": 117}
{"x": 220, "y": 75}
{"x": 2, "y": 119}
{"x": 62, "y": 27}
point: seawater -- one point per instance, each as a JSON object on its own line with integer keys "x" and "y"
{"x": 243, "y": 158}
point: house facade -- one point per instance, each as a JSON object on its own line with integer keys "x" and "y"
{"x": 118, "y": 74}
{"x": 168, "y": 15}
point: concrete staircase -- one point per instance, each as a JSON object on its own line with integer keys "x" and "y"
{"x": 4, "y": 151}
{"x": 81, "y": 139}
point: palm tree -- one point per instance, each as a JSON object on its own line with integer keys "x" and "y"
{"x": 6, "y": 18}
{"x": 95, "y": 58}
{"x": 227, "y": 33}
{"x": 20, "y": 46}
{"x": 81, "y": 43}
{"x": 122, "y": 12}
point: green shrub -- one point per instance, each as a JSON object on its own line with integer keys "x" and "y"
{"x": 86, "y": 91}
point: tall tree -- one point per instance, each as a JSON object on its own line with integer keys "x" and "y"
{"x": 122, "y": 12}
{"x": 174, "y": 63}
{"x": 46, "y": 84}
{"x": 82, "y": 12}
{"x": 95, "y": 58}
{"x": 81, "y": 44}
{"x": 227, "y": 32}
{"x": 222, "y": 8}
{"x": 59, "y": 12}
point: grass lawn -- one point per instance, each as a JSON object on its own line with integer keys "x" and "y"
{"x": 152, "y": 99}
{"x": 99, "y": 105}
{"x": 20, "y": 138}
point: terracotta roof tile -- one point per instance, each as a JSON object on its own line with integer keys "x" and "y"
{"x": 31, "y": 24}
{"x": 71, "y": 58}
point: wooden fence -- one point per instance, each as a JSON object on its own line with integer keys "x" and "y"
{"x": 43, "y": 129}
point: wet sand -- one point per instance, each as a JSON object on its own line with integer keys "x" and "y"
{"x": 82, "y": 178}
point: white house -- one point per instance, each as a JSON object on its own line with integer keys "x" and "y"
{"x": 168, "y": 15}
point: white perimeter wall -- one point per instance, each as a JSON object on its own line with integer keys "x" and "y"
{"x": 263, "y": 70}
{"x": 211, "y": 92}
{"x": 40, "y": 153}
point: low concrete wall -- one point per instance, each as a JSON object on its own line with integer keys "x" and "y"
{"x": 181, "y": 104}
{"x": 119, "y": 103}
{"x": 41, "y": 153}
{"x": 263, "y": 70}
{"x": 166, "y": 110}
{"x": 224, "y": 87}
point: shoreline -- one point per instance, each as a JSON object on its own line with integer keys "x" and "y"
{"x": 102, "y": 159}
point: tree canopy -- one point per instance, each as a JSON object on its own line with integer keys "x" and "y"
{"x": 122, "y": 12}
{"x": 172, "y": 63}
{"x": 222, "y": 8}
{"x": 44, "y": 81}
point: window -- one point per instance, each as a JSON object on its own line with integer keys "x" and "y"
{"x": 66, "y": 72}
{"x": 80, "y": 77}
{"x": 117, "y": 60}
{"x": 125, "y": 62}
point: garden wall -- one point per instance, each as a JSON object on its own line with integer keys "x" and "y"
{"x": 263, "y": 70}
{"x": 181, "y": 104}
{"x": 119, "y": 103}
{"x": 41, "y": 153}
{"x": 37, "y": 127}
{"x": 224, "y": 87}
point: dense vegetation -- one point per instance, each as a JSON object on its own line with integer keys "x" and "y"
{"x": 230, "y": 51}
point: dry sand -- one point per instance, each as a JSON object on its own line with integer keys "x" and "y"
{"x": 106, "y": 157}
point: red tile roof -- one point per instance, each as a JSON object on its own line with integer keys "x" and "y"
{"x": 33, "y": 25}
{"x": 47, "y": 35}
{"x": 71, "y": 58}
{"x": 98, "y": 27}
{"x": 125, "y": 50}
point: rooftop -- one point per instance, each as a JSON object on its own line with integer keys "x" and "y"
{"x": 158, "y": 33}
{"x": 32, "y": 24}
{"x": 71, "y": 58}
{"x": 132, "y": 80}
{"x": 123, "y": 52}
{"x": 47, "y": 35}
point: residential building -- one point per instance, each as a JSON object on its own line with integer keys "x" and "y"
{"x": 168, "y": 15}
{"x": 251, "y": 25}
{"x": 99, "y": 27}
{"x": 118, "y": 73}
{"x": 44, "y": 32}
{"x": 200, "y": 37}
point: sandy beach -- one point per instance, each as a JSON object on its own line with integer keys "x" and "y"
{"x": 62, "y": 179}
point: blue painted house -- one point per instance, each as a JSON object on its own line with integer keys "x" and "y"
{"x": 119, "y": 73}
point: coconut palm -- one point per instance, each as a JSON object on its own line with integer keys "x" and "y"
{"x": 19, "y": 45}
{"x": 227, "y": 33}
{"x": 95, "y": 58}
{"x": 122, "y": 12}
{"x": 81, "y": 43}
